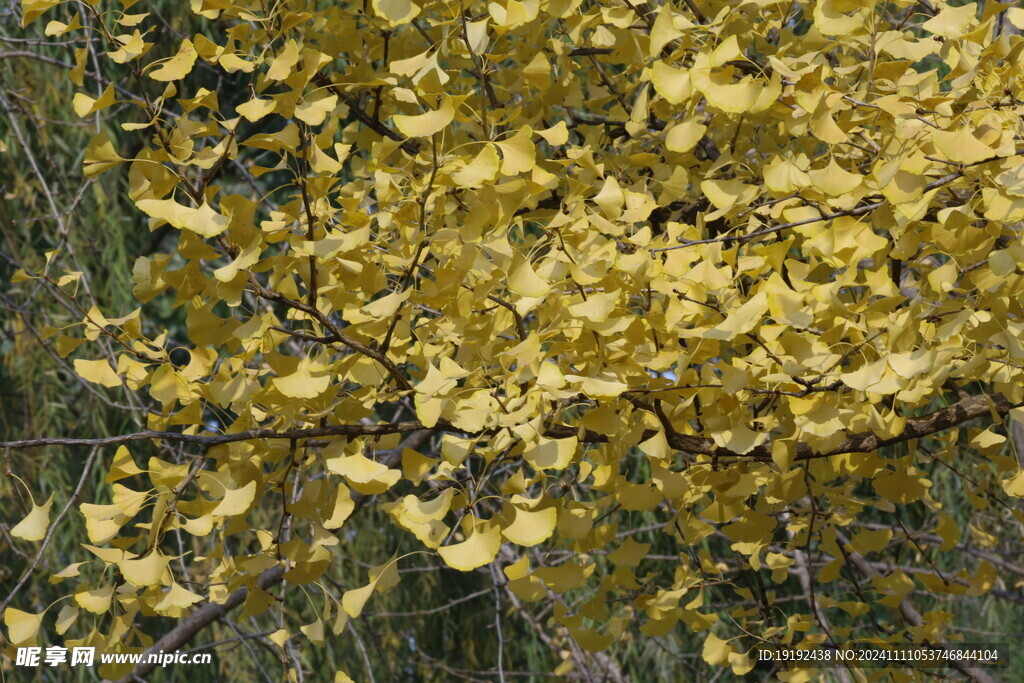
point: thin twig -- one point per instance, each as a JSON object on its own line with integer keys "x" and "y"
{"x": 53, "y": 528}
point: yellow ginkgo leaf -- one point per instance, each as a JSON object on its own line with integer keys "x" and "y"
{"x": 21, "y": 626}
{"x": 97, "y": 372}
{"x": 256, "y": 108}
{"x": 724, "y": 193}
{"x": 281, "y": 65}
{"x": 307, "y": 381}
{"x": 483, "y": 169}
{"x": 663, "y": 31}
{"x": 675, "y": 85}
{"x": 69, "y": 571}
{"x": 910, "y": 364}
{"x": 358, "y": 469}
{"x": 145, "y": 571}
{"x": 722, "y": 93}
{"x": 530, "y": 527}
{"x": 32, "y": 9}
{"x": 824, "y": 127}
{"x": 100, "y": 155}
{"x": 479, "y": 548}
{"x": 518, "y": 152}
{"x": 740, "y": 320}
{"x": 432, "y": 510}
{"x": 425, "y": 125}
{"x": 314, "y": 631}
{"x": 386, "y": 306}
{"x": 341, "y": 509}
{"x": 960, "y": 146}
{"x": 428, "y": 409}
{"x": 396, "y": 12}
{"x": 177, "y": 597}
{"x": 353, "y": 601}
{"x": 538, "y": 71}
{"x": 279, "y": 637}
{"x": 236, "y": 501}
{"x": 739, "y": 438}
{"x": 630, "y": 554}
{"x": 200, "y": 526}
{"x": 715, "y": 651}
{"x": 511, "y": 14}
{"x": 597, "y": 308}
{"x": 85, "y": 105}
{"x": 784, "y": 176}
{"x": 833, "y": 180}
{"x": 100, "y": 512}
{"x": 556, "y": 135}
{"x": 96, "y": 600}
{"x": 597, "y": 387}
{"x": 656, "y": 446}
{"x": 831, "y": 19}
{"x": 952, "y": 22}
{"x": 865, "y": 376}
{"x": 434, "y": 382}
{"x": 312, "y": 112}
{"x": 610, "y": 198}
{"x": 551, "y": 453}
{"x": 203, "y": 220}
{"x": 178, "y": 66}
{"x": 785, "y": 305}
{"x": 684, "y": 136}
{"x": 109, "y": 555}
{"x": 1014, "y": 486}
{"x": 102, "y": 531}
{"x": 66, "y": 618}
{"x": 33, "y": 527}
{"x": 122, "y": 467}
{"x": 523, "y": 280}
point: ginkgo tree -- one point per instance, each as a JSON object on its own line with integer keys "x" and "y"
{"x": 699, "y": 319}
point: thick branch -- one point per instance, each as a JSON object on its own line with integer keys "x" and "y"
{"x": 198, "y": 620}
{"x": 862, "y": 442}
{"x": 210, "y": 612}
{"x": 856, "y": 211}
{"x": 941, "y": 420}
{"x": 357, "y": 429}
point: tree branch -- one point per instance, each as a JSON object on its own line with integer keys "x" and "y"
{"x": 856, "y": 211}
{"x": 410, "y": 146}
{"x": 963, "y": 411}
{"x": 210, "y": 612}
